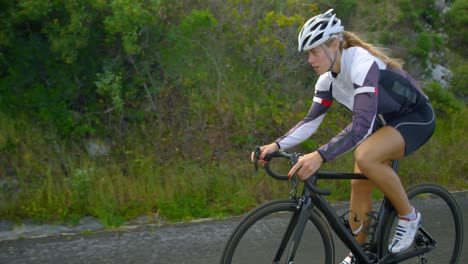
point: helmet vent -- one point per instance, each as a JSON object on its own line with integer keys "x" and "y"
{"x": 318, "y": 29}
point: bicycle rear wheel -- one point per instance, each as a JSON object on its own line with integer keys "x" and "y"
{"x": 442, "y": 224}
{"x": 258, "y": 237}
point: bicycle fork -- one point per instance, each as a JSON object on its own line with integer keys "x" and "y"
{"x": 296, "y": 229}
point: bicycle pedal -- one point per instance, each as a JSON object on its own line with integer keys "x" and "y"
{"x": 420, "y": 240}
{"x": 423, "y": 260}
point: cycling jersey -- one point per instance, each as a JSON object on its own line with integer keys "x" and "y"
{"x": 366, "y": 87}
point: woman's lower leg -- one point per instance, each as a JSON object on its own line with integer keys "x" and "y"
{"x": 361, "y": 207}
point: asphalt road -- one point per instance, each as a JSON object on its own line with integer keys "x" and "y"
{"x": 200, "y": 242}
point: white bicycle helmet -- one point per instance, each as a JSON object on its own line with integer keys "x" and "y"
{"x": 318, "y": 29}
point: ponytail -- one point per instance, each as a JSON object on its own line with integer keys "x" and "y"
{"x": 351, "y": 40}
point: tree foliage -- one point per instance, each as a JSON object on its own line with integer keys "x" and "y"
{"x": 456, "y": 23}
{"x": 94, "y": 67}
{"x": 161, "y": 80}
{"x": 55, "y": 54}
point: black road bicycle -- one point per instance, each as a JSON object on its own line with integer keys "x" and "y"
{"x": 298, "y": 230}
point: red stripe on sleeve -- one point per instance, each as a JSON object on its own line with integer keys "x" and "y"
{"x": 326, "y": 102}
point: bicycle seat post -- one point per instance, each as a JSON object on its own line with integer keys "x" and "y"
{"x": 395, "y": 165}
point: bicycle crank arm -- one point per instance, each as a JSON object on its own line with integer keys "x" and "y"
{"x": 399, "y": 257}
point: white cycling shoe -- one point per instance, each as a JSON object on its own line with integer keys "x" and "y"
{"x": 403, "y": 239}
{"x": 405, "y": 233}
{"x": 348, "y": 260}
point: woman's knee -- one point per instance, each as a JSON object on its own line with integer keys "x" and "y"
{"x": 384, "y": 145}
{"x": 364, "y": 158}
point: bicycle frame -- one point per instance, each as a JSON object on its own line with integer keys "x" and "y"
{"x": 314, "y": 200}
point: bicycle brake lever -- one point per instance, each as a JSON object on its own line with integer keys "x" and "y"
{"x": 257, "y": 153}
{"x": 295, "y": 158}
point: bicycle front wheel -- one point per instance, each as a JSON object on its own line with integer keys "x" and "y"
{"x": 264, "y": 236}
{"x": 442, "y": 228}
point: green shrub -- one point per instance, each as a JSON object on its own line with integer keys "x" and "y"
{"x": 443, "y": 101}
{"x": 346, "y": 9}
{"x": 456, "y": 23}
{"x": 423, "y": 45}
{"x": 458, "y": 83}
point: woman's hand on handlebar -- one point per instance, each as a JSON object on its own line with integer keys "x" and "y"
{"x": 306, "y": 165}
{"x": 265, "y": 150}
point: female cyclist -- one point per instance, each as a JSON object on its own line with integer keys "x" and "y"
{"x": 391, "y": 118}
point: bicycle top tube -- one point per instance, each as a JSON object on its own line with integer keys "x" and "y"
{"x": 311, "y": 182}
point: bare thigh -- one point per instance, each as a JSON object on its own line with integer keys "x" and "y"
{"x": 383, "y": 146}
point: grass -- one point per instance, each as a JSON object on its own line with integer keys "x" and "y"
{"x": 180, "y": 189}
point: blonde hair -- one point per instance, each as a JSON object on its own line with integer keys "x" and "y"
{"x": 352, "y": 40}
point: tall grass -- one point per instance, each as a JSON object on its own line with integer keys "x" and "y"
{"x": 53, "y": 183}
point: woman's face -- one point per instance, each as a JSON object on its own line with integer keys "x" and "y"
{"x": 318, "y": 60}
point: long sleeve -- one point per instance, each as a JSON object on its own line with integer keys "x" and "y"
{"x": 305, "y": 128}
{"x": 364, "y": 114}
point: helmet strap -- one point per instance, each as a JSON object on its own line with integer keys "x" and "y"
{"x": 332, "y": 60}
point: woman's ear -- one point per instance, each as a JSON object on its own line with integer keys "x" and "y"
{"x": 336, "y": 43}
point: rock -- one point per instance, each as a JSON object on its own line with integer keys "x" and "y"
{"x": 97, "y": 148}
{"x": 441, "y": 74}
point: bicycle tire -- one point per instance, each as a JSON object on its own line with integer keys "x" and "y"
{"x": 271, "y": 218}
{"x": 448, "y": 216}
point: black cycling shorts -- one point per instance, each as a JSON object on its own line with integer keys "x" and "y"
{"x": 415, "y": 127}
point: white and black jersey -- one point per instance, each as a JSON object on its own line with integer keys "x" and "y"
{"x": 369, "y": 89}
